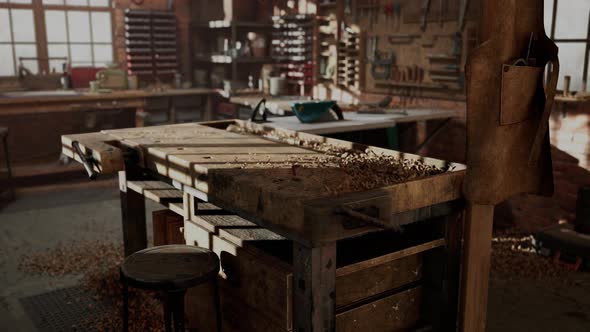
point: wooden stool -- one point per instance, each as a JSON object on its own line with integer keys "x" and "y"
{"x": 171, "y": 269}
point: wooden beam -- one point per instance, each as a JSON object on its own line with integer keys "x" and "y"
{"x": 476, "y": 267}
{"x": 314, "y": 276}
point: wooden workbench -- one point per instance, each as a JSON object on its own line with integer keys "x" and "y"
{"x": 254, "y": 177}
{"x": 354, "y": 121}
{"x": 41, "y": 102}
{"x": 50, "y": 114}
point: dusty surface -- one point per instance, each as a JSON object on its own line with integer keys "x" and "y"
{"x": 40, "y": 221}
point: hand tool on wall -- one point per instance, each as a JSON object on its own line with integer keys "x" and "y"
{"x": 402, "y": 38}
{"x": 381, "y": 66}
{"x": 425, "y": 9}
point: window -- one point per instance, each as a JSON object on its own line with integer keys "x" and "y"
{"x": 44, "y": 34}
{"x": 570, "y": 34}
{"x": 17, "y": 37}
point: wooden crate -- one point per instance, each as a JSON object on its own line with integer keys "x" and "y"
{"x": 257, "y": 276}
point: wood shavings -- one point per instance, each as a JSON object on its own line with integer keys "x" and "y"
{"x": 516, "y": 257}
{"x": 99, "y": 262}
{"x": 356, "y": 170}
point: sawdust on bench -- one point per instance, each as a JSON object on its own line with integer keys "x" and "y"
{"x": 337, "y": 169}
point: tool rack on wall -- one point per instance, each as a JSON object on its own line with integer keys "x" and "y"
{"x": 150, "y": 38}
{"x": 292, "y": 50}
{"x": 421, "y": 45}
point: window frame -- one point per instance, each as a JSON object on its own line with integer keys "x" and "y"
{"x": 41, "y": 42}
{"x": 585, "y": 41}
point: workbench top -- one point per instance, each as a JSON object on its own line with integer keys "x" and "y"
{"x": 285, "y": 187}
{"x": 354, "y": 121}
{"x": 65, "y": 96}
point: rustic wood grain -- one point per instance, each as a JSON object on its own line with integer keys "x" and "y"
{"x": 476, "y": 267}
{"x": 288, "y": 188}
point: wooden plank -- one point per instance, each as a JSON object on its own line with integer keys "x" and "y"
{"x": 177, "y": 208}
{"x": 375, "y": 276}
{"x": 132, "y": 213}
{"x": 109, "y": 158}
{"x": 163, "y": 196}
{"x": 314, "y": 299}
{"x": 476, "y": 267}
{"x": 288, "y": 203}
{"x": 240, "y": 236}
{"x": 398, "y": 312}
{"x": 213, "y": 223}
{"x": 141, "y": 186}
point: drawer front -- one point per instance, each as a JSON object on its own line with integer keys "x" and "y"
{"x": 238, "y": 316}
{"x": 260, "y": 281}
{"x": 360, "y": 281}
{"x": 397, "y": 312}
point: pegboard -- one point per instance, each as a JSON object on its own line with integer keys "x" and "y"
{"x": 428, "y": 55}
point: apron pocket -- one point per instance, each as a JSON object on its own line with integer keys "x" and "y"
{"x": 519, "y": 87}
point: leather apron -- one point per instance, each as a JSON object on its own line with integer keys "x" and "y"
{"x": 508, "y": 108}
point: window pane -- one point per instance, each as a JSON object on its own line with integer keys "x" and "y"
{"x": 23, "y": 25}
{"x": 7, "y": 63}
{"x": 81, "y": 53}
{"x": 29, "y": 51}
{"x": 103, "y": 53}
{"x": 548, "y": 13}
{"x": 56, "y": 66}
{"x": 572, "y": 19}
{"x": 4, "y": 26}
{"x": 78, "y": 26}
{"x": 77, "y": 2}
{"x": 21, "y": 1}
{"x": 57, "y": 50}
{"x": 99, "y": 3}
{"x": 55, "y": 22}
{"x": 571, "y": 59}
{"x": 101, "y": 27}
{"x": 53, "y": 2}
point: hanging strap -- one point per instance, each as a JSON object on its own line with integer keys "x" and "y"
{"x": 543, "y": 125}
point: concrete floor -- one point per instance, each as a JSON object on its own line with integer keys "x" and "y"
{"x": 43, "y": 218}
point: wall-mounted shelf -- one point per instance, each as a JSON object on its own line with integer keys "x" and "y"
{"x": 150, "y": 43}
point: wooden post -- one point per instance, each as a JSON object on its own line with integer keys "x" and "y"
{"x": 314, "y": 278}
{"x": 133, "y": 214}
{"x": 476, "y": 267}
{"x": 453, "y": 237}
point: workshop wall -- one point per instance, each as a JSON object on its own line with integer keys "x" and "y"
{"x": 428, "y": 53}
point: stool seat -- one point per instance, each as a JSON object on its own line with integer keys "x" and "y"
{"x": 170, "y": 267}
{"x": 3, "y": 131}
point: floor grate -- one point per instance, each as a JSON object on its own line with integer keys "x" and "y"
{"x": 67, "y": 309}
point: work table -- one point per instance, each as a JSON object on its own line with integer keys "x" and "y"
{"x": 68, "y": 100}
{"x": 281, "y": 183}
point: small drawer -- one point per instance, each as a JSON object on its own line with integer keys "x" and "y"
{"x": 522, "y": 93}
{"x": 397, "y": 312}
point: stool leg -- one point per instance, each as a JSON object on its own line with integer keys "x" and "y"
{"x": 178, "y": 310}
{"x": 168, "y": 311}
{"x": 217, "y": 300}
{"x": 125, "y": 307}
